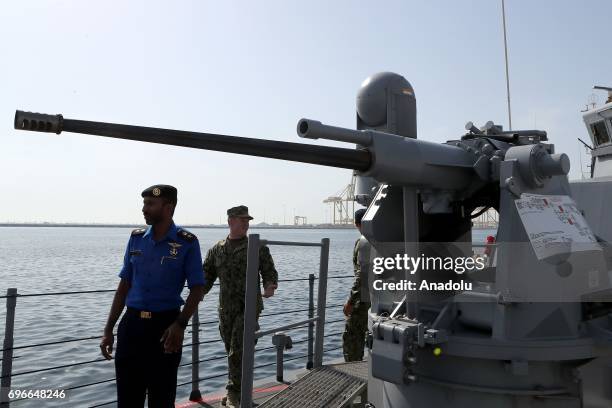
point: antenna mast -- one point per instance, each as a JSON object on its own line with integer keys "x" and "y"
{"x": 507, "y": 74}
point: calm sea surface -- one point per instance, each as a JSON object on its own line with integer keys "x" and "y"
{"x": 58, "y": 259}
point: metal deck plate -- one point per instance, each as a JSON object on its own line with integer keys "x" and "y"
{"x": 327, "y": 386}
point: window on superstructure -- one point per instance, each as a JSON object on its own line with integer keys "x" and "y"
{"x": 600, "y": 133}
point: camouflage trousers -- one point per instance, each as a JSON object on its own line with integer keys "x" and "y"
{"x": 232, "y": 329}
{"x": 355, "y": 331}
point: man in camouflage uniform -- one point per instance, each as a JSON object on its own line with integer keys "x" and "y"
{"x": 227, "y": 260}
{"x": 357, "y": 305}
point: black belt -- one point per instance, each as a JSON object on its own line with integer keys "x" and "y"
{"x": 145, "y": 314}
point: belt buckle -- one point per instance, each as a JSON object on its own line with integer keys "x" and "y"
{"x": 145, "y": 315}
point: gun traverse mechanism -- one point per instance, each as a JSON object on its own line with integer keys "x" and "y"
{"x": 522, "y": 334}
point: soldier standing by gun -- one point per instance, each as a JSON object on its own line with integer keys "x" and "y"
{"x": 227, "y": 261}
{"x": 357, "y": 305}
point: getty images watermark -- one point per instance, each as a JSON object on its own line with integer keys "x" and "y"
{"x": 439, "y": 267}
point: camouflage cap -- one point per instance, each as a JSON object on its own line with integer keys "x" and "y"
{"x": 161, "y": 190}
{"x": 241, "y": 211}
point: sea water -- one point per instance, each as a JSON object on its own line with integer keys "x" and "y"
{"x": 42, "y": 260}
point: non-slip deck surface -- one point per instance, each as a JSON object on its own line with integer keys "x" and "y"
{"x": 327, "y": 386}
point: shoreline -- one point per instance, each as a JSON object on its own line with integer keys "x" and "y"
{"x": 188, "y": 226}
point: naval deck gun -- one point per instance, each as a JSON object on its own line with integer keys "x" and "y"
{"x": 457, "y": 168}
{"x": 530, "y": 322}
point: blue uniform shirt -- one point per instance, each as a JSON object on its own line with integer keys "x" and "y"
{"x": 157, "y": 270}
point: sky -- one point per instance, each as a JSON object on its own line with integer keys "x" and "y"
{"x": 253, "y": 69}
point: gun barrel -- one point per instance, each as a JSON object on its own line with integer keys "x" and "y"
{"x": 402, "y": 160}
{"x": 305, "y": 153}
{"x": 313, "y": 129}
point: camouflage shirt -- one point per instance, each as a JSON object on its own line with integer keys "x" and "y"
{"x": 227, "y": 261}
{"x": 359, "y": 291}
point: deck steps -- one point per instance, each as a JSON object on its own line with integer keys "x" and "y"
{"x": 330, "y": 386}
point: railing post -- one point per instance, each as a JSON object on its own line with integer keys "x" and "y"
{"x": 280, "y": 366}
{"x": 248, "y": 337}
{"x": 321, "y": 300}
{"x": 311, "y": 278}
{"x": 7, "y": 353}
{"x": 195, "y": 395}
{"x": 282, "y": 343}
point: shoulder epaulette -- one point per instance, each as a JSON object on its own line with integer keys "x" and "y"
{"x": 139, "y": 231}
{"x": 186, "y": 235}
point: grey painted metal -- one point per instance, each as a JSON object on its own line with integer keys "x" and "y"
{"x": 329, "y": 386}
{"x": 7, "y": 353}
{"x": 536, "y": 165}
{"x": 531, "y": 346}
{"x": 195, "y": 394}
{"x": 411, "y": 238}
{"x": 274, "y": 149}
{"x": 250, "y": 318}
{"x": 404, "y": 161}
{"x": 280, "y": 350}
{"x": 321, "y": 299}
{"x": 365, "y": 188}
{"x": 252, "y": 286}
{"x": 311, "y": 279}
{"x": 282, "y": 343}
{"x": 386, "y": 102}
{"x": 313, "y": 129}
{"x": 279, "y": 363}
{"x": 594, "y": 196}
{"x": 510, "y": 135}
{"x": 263, "y": 333}
{"x": 469, "y": 126}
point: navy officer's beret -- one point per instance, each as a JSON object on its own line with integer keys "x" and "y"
{"x": 161, "y": 190}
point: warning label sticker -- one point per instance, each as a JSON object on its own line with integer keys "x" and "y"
{"x": 554, "y": 225}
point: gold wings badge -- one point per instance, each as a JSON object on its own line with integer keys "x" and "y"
{"x": 174, "y": 248}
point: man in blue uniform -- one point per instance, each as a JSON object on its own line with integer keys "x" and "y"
{"x": 158, "y": 260}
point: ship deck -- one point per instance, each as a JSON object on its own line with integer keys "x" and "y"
{"x": 333, "y": 385}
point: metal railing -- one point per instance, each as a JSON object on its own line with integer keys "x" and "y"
{"x": 7, "y": 346}
{"x": 314, "y": 342}
{"x": 250, "y": 298}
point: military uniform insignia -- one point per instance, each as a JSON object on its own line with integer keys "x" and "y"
{"x": 174, "y": 248}
{"x": 139, "y": 231}
{"x": 187, "y": 236}
{"x": 156, "y": 191}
